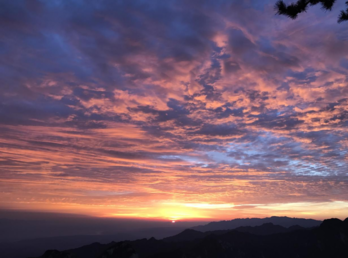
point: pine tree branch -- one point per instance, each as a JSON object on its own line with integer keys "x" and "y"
{"x": 292, "y": 10}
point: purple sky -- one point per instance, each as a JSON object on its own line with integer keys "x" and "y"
{"x": 173, "y": 109}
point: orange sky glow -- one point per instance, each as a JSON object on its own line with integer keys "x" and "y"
{"x": 205, "y": 115}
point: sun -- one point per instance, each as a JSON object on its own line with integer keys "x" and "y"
{"x": 173, "y": 221}
{"x": 175, "y": 212}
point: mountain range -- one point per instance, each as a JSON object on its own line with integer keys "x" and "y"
{"x": 268, "y": 240}
{"x": 36, "y": 246}
{"x": 263, "y": 230}
{"x": 281, "y": 221}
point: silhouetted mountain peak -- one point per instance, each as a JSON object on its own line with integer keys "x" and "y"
{"x": 332, "y": 226}
{"x": 332, "y": 223}
{"x": 186, "y": 235}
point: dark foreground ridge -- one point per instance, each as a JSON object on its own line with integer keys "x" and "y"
{"x": 330, "y": 239}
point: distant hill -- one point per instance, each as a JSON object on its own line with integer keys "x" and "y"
{"x": 263, "y": 230}
{"x": 35, "y": 247}
{"x": 186, "y": 235}
{"x": 330, "y": 239}
{"x": 281, "y": 221}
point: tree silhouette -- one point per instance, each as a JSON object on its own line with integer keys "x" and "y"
{"x": 300, "y": 6}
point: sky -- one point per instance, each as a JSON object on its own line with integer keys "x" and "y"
{"x": 173, "y": 110}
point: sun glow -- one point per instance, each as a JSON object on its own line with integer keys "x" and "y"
{"x": 175, "y": 213}
{"x": 168, "y": 211}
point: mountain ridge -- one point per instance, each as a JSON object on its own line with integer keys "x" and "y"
{"x": 330, "y": 239}
{"x": 281, "y": 221}
{"x": 263, "y": 230}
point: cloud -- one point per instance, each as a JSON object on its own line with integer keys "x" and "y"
{"x": 201, "y": 102}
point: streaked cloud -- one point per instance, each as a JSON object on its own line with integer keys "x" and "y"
{"x": 117, "y": 107}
